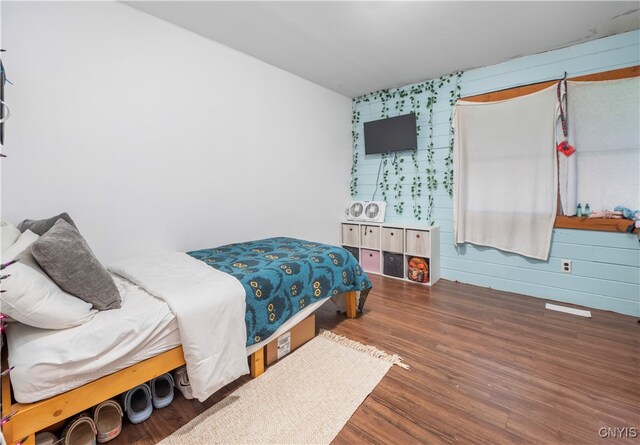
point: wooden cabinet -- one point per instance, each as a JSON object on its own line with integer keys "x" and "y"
{"x": 395, "y": 250}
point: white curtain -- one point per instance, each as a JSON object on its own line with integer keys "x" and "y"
{"x": 505, "y": 175}
{"x": 604, "y": 127}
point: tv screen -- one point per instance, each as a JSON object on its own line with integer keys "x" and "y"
{"x": 392, "y": 134}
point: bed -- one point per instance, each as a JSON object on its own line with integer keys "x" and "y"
{"x": 79, "y": 367}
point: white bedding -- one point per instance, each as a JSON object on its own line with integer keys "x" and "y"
{"x": 50, "y": 362}
{"x": 210, "y": 308}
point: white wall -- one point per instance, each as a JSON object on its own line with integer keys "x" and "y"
{"x": 155, "y": 138}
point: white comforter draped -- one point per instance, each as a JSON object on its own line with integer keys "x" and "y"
{"x": 505, "y": 177}
{"x": 210, "y": 308}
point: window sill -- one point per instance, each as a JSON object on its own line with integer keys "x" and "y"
{"x": 599, "y": 224}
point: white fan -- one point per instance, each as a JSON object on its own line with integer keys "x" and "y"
{"x": 356, "y": 211}
{"x": 374, "y": 211}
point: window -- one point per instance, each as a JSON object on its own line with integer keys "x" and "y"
{"x": 608, "y": 177}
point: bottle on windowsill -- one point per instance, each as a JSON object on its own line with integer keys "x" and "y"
{"x": 579, "y": 211}
{"x": 587, "y": 210}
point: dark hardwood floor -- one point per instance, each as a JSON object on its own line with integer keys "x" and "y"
{"x": 487, "y": 367}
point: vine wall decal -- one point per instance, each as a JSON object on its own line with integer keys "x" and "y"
{"x": 432, "y": 182}
{"x": 429, "y": 165}
{"x": 355, "y": 135}
{"x": 454, "y": 95}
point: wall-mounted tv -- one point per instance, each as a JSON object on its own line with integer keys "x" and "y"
{"x": 392, "y": 134}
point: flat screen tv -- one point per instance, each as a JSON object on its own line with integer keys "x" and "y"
{"x": 392, "y": 134}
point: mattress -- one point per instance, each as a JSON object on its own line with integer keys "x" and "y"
{"x": 50, "y": 362}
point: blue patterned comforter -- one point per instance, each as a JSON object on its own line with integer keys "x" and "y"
{"x": 283, "y": 275}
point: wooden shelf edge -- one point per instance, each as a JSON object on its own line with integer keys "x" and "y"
{"x": 597, "y": 224}
{"x": 510, "y": 93}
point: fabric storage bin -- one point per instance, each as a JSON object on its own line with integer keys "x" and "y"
{"x": 393, "y": 264}
{"x": 370, "y": 237}
{"x": 350, "y": 235}
{"x": 392, "y": 239}
{"x": 370, "y": 260}
{"x": 353, "y": 251}
{"x": 418, "y": 243}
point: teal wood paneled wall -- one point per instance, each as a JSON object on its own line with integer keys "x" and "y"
{"x": 606, "y": 266}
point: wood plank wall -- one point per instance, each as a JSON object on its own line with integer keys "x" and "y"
{"x": 510, "y": 93}
{"x": 606, "y": 266}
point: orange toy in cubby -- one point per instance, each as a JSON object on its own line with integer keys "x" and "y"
{"x": 418, "y": 270}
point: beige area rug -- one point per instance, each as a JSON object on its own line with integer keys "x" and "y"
{"x": 306, "y": 398}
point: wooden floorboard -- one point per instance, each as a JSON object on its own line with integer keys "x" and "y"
{"x": 487, "y": 367}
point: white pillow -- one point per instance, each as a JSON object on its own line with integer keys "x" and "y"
{"x": 34, "y": 299}
{"x": 25, "y": 240}
{"x": 8, "y": 235}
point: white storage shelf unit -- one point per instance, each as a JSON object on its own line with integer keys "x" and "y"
{"x": 387, "y": 248}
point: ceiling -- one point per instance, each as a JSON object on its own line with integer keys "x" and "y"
{"x": 355, "y": 48}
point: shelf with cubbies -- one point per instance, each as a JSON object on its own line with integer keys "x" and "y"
{"x": 410, "y": 253}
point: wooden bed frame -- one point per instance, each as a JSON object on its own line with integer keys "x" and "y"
{"x": 29, "y": 418}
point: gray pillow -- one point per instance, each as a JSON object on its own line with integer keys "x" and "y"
{"x": 67, "y": 258}
{"x": 40, "y": 226}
